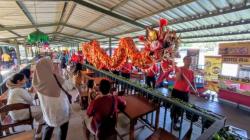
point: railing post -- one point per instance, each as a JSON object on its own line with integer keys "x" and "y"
{"x": 157, "y": 117}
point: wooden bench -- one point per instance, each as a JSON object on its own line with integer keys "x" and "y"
{"x": 7, "y": 122}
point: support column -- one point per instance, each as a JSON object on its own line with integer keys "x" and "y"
{"x": 26, "y": 51}
{"x": 78, "y": 47}
{"x": 110, "y": 46}
{"x": 18, "y": 55}
{"x": 32, "y": 53}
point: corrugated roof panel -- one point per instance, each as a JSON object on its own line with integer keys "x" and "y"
{"x": 173, "y": 15}
{"x": 134, "y": 34}
{"x": 247, "y": 26}
{"x": 11, "y": 14}
{"x": 104, "y": 23}
{"x": 24, "y": 32}
{"x": 145, "y": 6}
{"x": 70, "y": 31}
{"x": 185, "y": 25}
{"x": 244, "y": 14}
{"x": 49, "y": 29}
{"x": 220, "y": 19}
{"x": 175, "y": 27}
{"x": 107, "y": 3}
{"x": 174, "y": 1}
{"x": 154, "y": 4}
{"x": 163, "y": 2}
{"x": 129, "y": 14}
{"x": 69, "y": 8}
{"x": 44, "y": 12}
{"x": 195, "y": 23}
{"x": 189, "y": 25}
{"x": 83, "y": 34}
{"x": 179, "y": 12}
{"x": 220, "y": 3}
{"x": 236, "y": 2}
{"x": 146, "y": 22}
{"x": 132, "y": 10}
{"x": 82, "y": 16}
{"x": 120, "y": 29}
{"x": 138, "y": 8}
{"x": 166, "y": 16}
{"x": 196, "y": 7}
{"x": 190, "y": 11}
{"x": 154, "y": 19}
{"x": 94, "y": 37}
{"x": 6, "y": 34}
{"x": 241, "y": 28}
{"x": 206, "y": 4}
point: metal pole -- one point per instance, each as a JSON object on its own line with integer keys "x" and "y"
{"x": 18, "y": 53}
{"x": 110, "y": 46}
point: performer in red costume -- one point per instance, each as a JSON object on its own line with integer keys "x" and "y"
{"x": 166, "y": 67}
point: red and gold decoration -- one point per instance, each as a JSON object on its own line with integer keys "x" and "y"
{"x": 159, "y": 45}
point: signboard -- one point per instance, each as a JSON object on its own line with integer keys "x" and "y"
{"x": 212, "y": 68}
{"x": 236, "y": 60}
{"x": 238, "y": 48}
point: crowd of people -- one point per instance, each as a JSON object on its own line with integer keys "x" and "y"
{"x": 8, "y": 59}
{"x": 100, "y": 102}
{"x": 54, "y": 109}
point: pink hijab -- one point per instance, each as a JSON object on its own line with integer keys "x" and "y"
{"x": 44, "y": 81}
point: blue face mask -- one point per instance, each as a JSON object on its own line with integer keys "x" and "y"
{"x": 28, "y": 84}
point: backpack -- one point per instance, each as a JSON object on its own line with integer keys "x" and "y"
{"x": 104, "y": 131}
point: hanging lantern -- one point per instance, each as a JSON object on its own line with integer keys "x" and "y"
{"x": 37, "y": 37}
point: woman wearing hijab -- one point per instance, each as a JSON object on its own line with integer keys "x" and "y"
{"x": 53, "y": 98}
{"x": 17, "y": 94}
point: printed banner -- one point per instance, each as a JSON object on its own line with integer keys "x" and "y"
{"x": 238, "y": 48}
{"x": 212, "y": 68}
{"x": 236, "y": 60}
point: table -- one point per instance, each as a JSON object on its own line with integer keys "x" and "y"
{"x": 136, "y": 107}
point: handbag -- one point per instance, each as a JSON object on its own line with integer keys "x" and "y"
{"x": 67, "y": 94}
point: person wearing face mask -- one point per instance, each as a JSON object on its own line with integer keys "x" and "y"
{"x": 17, "y": 94}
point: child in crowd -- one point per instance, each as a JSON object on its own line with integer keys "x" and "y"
{"x": 101, "y": 116}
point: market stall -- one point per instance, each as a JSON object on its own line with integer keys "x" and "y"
{"x": 234, "y": 79}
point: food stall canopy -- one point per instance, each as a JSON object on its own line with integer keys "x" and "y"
{"x": 75, "y": 21}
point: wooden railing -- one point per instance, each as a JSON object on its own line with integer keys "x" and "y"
{"x": 205, "y": 119}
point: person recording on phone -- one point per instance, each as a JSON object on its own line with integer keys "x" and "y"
{"x": 184, "y": 81}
